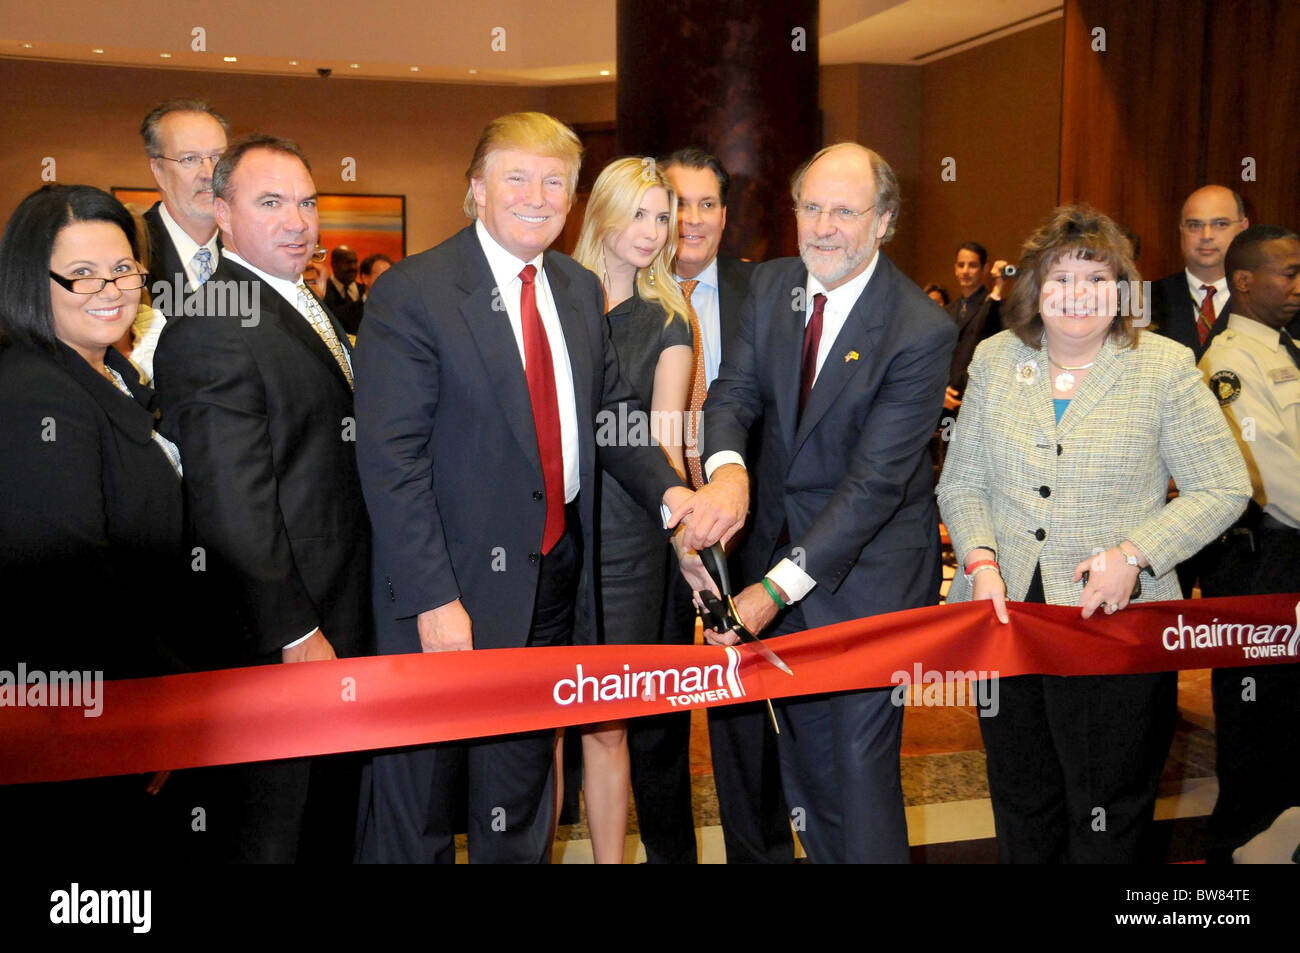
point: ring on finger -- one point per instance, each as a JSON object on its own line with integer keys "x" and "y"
{"x": 1111, "y": 607}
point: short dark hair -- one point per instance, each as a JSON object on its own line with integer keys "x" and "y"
{"x": 368, "y": 263}
{"x": 977, "y": 248}
{"x": 339, "y": 252}
{"x": 1246, "y": 252}
{"x": 26, "y": 313}
{"x": 149, "y": 126}
{"x": 693, "y": 157}
{"x": 230, "y": 159}
{"x": 943, "y": 292}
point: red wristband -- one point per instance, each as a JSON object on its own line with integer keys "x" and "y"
{"x": 982, "y": 562}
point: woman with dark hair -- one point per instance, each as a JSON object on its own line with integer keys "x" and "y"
{"x": 91, "y": 559}
{"x": 1054, "y": 491}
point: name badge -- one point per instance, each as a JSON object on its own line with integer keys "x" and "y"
{"x": 1280, "y": 375}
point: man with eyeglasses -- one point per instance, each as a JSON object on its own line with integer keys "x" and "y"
{"x": 845, "y": 361}
{"x": 1191, "y": 306}
{"x": 183, "y": 139}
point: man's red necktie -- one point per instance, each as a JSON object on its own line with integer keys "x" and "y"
{"x": 1205, "y": 322}
{"x": 812, "y": 338}
{"x": 546, "y": 407}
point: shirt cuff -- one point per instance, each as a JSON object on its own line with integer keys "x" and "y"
{"x": 303, "y": 639}
{"x": 721, "y": 458}
{"x": 794, "y": 582}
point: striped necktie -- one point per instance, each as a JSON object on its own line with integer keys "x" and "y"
{"x": 320, "y": 323}
{"x": 699, "y": 391}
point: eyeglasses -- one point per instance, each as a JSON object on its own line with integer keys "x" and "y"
{"x": 1196, "y": 226}
{"x": 192, "y": 160}
{"x": 93, "y": 286}
{"x": 839, "y": 214}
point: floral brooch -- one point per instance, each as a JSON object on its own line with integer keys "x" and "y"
{"x": 1027, "y": 373}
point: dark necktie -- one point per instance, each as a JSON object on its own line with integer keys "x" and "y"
{"x": 546, "y": 407}
{"x": 1288, "y": 342}
{"x": 1205, "y": 317}
{"x": 812, "y": 338}
{"x": 699, "y": 390}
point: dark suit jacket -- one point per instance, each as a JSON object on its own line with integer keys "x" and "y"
{"x": 983, "y": 319}
{"x": 165, "y": 262}
{"x": 448, "y": 450}
{"x": 90, "y": 519}
{"x": 733, "y": 285}
{"x": 1174, "y": 313}
{"x": 264, "y": 419}
{"x": 347, "y": 311}
{"x": 853, "y": 480}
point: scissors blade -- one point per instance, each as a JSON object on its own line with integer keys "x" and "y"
{"x": 750, "y": 639}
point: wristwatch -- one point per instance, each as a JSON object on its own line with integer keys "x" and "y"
{"x": 1129, "y": 557}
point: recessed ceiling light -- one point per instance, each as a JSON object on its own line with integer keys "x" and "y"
{"x": 97, "y": 50}
{"x": 165, "y": 56}
{"x": 472, "y": 72}
{"x": 231, "y": 59}
{"x": 354, "y": 66}
{"x": 293, "y": 62}
{"x": 415, "y": 69}
{"x": 604, "y": 72}
{"x": 27, "y": 46}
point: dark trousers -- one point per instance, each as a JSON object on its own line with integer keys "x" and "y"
{"x": 408, "y": 809}
{"x": 1074, "y": 763}
{"x": 301, "y": 810}
{"x": 1256, "y": 709}
{"x": 839, "y": 757}
{"x": 660, "y": 748}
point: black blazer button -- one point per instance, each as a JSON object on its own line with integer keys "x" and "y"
{"x": 1040, "y": 534}
{"x": 538, "y": 494}
{"x": 1058, "y": 449}
{"x": 1045, "y": 491}
{"x": 533, "y": 557}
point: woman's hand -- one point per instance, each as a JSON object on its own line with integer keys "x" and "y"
{"x": 988, "y": 584}
{"x": 1110, "y": 582}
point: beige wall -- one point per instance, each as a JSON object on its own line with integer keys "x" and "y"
{"x": 996, "y": 110}
{"x": 407, "y": 138}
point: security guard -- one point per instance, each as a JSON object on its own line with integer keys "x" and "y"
{"x": 1253, "y": 367}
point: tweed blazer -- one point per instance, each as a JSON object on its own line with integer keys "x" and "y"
{"x": 1039, "y": 493}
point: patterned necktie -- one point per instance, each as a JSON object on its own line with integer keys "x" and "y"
{"x": 540, "y": 371}
{"x": 1205, "y": 316}
{"x": 202, "y": 261}
{"x": 699, "y": 390}
{"x": 1288, "y": 342}
{"x": 320, "y": 323}
{"x": 812, "y": 339}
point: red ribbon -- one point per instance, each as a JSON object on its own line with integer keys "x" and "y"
{"x": 285, "y": 711}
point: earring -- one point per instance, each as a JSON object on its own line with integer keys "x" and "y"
{"x": 652, "y": 274}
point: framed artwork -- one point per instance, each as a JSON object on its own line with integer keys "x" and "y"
{"x": 369, "y": 224}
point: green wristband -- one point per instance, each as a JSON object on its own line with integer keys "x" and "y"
{"x": 771, "y": 591}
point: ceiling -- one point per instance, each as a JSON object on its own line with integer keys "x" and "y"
{"x": 480, "y": 41}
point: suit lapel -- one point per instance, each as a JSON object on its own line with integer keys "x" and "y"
{"x": 291, "y": 322}
{"x": 1032, "y": 390}
{"x": 495, "y": 340}
{"x": 575, "y": 335}
{"x": 841, "y": 365}
{"x": 1101, "y": 377}
{"x": 783, "y": 349}
{"x": 731, "y": 296}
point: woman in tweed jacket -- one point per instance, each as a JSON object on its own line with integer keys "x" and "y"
{"x": 1072, "y": 425}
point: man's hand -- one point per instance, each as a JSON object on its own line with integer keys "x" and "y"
{"x": 696, "y": 576}
{"x": 316, "y": 648}
{"x": 445, "y": 629}
{"x": 756, "y": 610}
{"x": 717, "y": 510}
{"x": 1000, "y": 283}
{"x": 951, "y": 401}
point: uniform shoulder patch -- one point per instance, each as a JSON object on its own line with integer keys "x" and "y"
{"x": 1226, "y": 386}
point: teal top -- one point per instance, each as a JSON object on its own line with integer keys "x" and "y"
{"x": 1060, "y": 403}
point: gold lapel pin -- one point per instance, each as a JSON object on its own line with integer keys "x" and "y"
{"x": 851, "y": 356}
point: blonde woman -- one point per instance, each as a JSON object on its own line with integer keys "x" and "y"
{"x": 628, "y": 239}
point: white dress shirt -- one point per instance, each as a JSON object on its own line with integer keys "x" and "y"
{"x": 351, "y": 294}
{"x": 186, "y": 246}
{"x": 705, "y": 300}
{"x": 505, "y": 269}
{"x": 1220, "y": 292}
{"x": 792, "y": 580}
